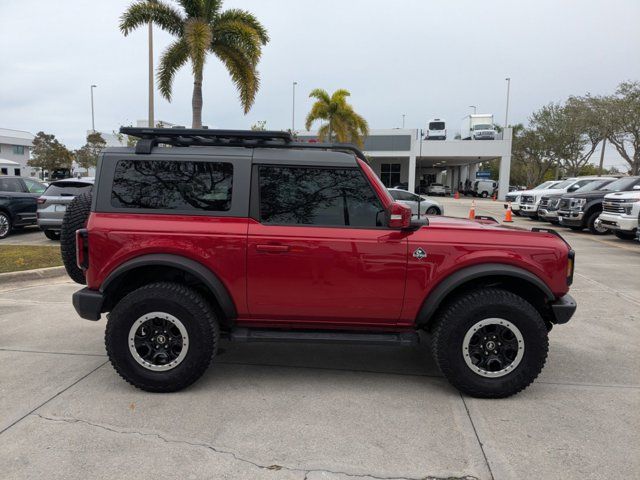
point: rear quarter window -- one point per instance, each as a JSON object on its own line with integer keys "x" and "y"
{"x": 172, "y": 185}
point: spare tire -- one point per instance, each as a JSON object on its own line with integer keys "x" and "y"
{"x": 74, "y": 219}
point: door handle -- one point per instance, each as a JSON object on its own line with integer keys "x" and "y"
{"x": 272, "y": 248}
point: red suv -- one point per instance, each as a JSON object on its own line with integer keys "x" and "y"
{"x": 252, "y": 237}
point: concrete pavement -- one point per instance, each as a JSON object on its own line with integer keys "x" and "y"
{"x": 285, "y": 411}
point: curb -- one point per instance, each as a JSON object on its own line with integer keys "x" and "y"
{"x": 38, "y": 273}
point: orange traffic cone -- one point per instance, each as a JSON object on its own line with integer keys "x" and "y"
{"x": 456, "y": 195}
{"x": 472, "y": 210}
{"x": 507, "y": 215}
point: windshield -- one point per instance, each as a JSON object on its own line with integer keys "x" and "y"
{"x": 621, "y": 184}
{"x": 595, "y": 185}
{"x": 436, "y": 126}
{"x": 565, "y": 184}
{"x": 483, "y": 126}
{"x": 547, "y": 184}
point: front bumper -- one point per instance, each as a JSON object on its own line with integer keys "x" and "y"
{"x": 563, "y": 309}
{"x": 88, "y": 303}
{"x": 549, "y": 215}
{"x": 528, "y": 210}
{"x": 627, "y": 223}
{"x": 570, "y": 218}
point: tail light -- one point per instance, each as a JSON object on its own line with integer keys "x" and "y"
{"x": 40, "y": 201}
{"x": 82, "y": 248}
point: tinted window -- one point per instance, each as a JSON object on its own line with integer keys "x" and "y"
{"x": 67, "y": 189}
{"x": 622, "y": 184}
{"x": 390, "y": 174}
{"x": 10, "y": 185}
{"x": 317, "y": 196}
{"x": 171, "y": 185}
{"x": 436, "y": 126}
{"x": 405, "y": 196}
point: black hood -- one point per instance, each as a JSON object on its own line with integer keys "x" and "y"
{"x": 592, "y": 195}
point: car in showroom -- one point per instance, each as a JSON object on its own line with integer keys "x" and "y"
{"x": 198, "y": 234}
{"x": 18, "y": 197}
{"x": 549, "y": 204}
{"x": 581, "y": 209}
{"x": 53, "y": 203}
{"x": 417, "y": 203}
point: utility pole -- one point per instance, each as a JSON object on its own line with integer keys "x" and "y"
{"x": 151, "y": 119}
{"x": 506, "y": 114}
{"x": 293, "y": 109}
{"x": 604, "y": 144}
{"x": 93, "y": 122}
{"x": 403, "y": 115}
{"x": 475, "y": 109}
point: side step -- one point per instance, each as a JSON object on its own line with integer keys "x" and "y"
{"x": 403, "y": 339}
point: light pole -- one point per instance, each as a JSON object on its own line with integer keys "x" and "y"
{"x": 506, "y": 113}
{"x": 293, "y": 109}
{"x": 403, "y": 115}
{"x": 475, "y": 109}
{"x": 93, "y": 123}
{"x": 151, "y": 119}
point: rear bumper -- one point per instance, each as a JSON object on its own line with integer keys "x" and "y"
{"x": 88, "y": 303}
{"x": 563, "y": 309}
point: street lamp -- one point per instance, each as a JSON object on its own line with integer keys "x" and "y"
{"x": 403, "y": 115}
{"x": 475, "y": 109}
{"x": 293, "y": 109}
{"x": 506, "y": 114}
{"x": 93, "y": 123}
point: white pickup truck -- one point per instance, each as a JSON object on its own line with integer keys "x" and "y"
{"x": 620, "y": 213}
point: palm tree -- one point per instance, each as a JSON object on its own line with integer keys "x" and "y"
{"x": 234, "y": 36}
{"x": 343, "y": 123}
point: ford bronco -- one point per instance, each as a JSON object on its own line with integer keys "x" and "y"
{"x": 197, "y": 235}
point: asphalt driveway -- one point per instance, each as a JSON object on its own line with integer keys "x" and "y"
{"x": 284, "y": 411}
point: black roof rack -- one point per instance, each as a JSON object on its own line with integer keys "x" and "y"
{"x": 187, "y": 137}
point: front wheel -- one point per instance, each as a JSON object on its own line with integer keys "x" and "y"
{"x": 593, "y": 228}
{"x": 162, "y": 337}
{"x": 490, "y": 343}
{"x": 625, "y": 235}
{"x": 433, "y": 211}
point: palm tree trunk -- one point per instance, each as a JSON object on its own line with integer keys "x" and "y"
{"x": 330, "y": 132}
{"x": 196, "y": 101}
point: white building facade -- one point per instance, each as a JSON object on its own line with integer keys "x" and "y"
{"x": 401, "y": 156}
{"x": 15, "y": 148}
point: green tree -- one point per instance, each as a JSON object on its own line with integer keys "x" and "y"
{"x": 342, "y": 122}
{"x": 234, "y": 36}
{"x": 87, "y": 155}
{"x": 49, "y": 154}
{"x": 259, "y": 126}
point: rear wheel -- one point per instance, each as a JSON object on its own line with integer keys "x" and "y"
{"x": 5, "y": 225}
{"x": 162, "y": 337}
{"x": 485, "y": 194}
{"x": 52, "y": 234}
{"x": 591, "y": 225}
{"x": 74, "y": 219}
{"x": 433, "y": 211}
{"x": 625, "y": 235}
{"x": 490, "y": 343}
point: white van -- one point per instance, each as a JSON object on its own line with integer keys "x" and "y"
{"x": 436, "y": 129}
{"x": 484, "y": 188}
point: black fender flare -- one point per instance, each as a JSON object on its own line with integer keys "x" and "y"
{"x": 204, "y": 274}
{"x": 464, "y": 275}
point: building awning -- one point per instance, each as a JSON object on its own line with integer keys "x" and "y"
{"x": 8, "y": 162}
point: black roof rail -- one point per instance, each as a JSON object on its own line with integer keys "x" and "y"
{"x": 186, "y": 137}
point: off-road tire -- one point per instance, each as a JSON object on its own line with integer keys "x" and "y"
{"x": 461, "y": 314}
{"x": 184, "y": 303}
{"x": 591, "y": 224}
{"x": 625, "y": 235}
{"x": 74, "y": 219}
{"x": 7, "y": 231}
{"x": 52, "y": 234}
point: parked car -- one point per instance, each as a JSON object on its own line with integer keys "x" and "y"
{"x": 17, "y": 203}
{"x": 582, "y": 208}
{"x": 549, "y": 204}
{"x": 427, "y": 206}
{"x": 484, "y": 188}
{"x": 53, "y": 203}
{"x": 621, "y": 213}
{"x": 436, "y": 130}
{"x": 530, "y": 199}
{"x": 437, "y": 189}
{"x": 182, "y": 245}
{"x": 514, "y": 197}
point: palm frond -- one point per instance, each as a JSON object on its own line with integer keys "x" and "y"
{"x": 174, "y": 57}
{"x": 211, "y": 9}
{"x": 159, "y": 13}
{"x": 319, "y": 111}
{"x": 197, "y": 35}
{"x": 238, "y": 35}
{"x": 247, "y": 18}
{"x": 321, "y": 95}
{"x": 243, "y": 73}
{"x": 193, "y": 8}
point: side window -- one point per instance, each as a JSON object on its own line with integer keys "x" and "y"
{"x": 172, "y": 185}
{"x": 406, "y": 196}
{"x": 317, "y": 196}
{"x": 34, "y": 187}
{"x": 10, "y": 185}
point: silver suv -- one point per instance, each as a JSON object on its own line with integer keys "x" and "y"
{"x": 53, "y": 203}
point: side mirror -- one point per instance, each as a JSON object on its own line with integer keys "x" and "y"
{"x": 573, "y": 188}
{"x": 398, "y": 216}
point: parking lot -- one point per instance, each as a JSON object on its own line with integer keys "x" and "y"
{"x": 287, "y": 411}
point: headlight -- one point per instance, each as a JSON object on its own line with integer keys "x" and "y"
{"x": 578, "y": 203}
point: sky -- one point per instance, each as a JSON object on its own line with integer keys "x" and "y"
{"x": 420, "y": 58}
